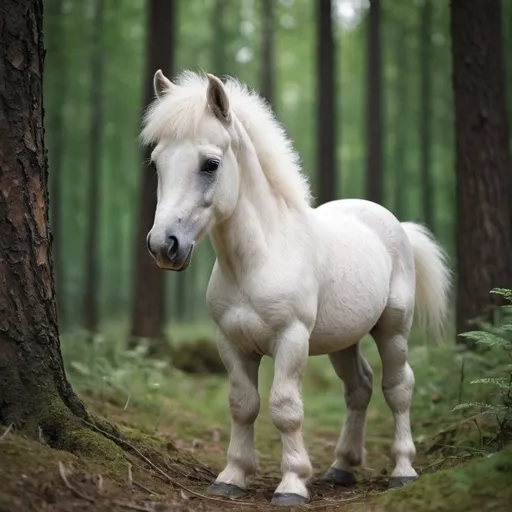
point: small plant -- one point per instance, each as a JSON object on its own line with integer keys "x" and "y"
{"x": 501, "y": 382}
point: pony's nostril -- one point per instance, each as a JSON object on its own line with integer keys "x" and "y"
{"x": 172, "y": 248}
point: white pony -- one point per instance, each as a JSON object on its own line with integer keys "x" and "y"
{"x": 290, "y": 281}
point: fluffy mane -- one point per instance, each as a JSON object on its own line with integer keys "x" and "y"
{"x": 179, "y": 113}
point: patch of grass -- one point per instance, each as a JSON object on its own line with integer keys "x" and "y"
{"x": 131, "y": 389}
{"x": 481, "y": 484}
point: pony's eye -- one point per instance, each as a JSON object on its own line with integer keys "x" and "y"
{"x": 210, "y": 165}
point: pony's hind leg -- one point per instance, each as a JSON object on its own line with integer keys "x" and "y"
{"x": 391, "y": 336}
{"x": 357, "y": 376}
{"x": 244, "y": 405}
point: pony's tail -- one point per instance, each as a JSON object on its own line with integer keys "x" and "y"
{"x": 433, "y": 279}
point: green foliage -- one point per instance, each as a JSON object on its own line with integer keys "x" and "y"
{"x": 68, "y": 35}
{"x": 106, "y": 365}
{"x": 501, "y": 381}
{"x": 484, "y": 483}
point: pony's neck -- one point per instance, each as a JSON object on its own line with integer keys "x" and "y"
{"x": 242, "y": 241}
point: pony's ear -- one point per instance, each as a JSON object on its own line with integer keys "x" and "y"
{"x": 161, "y": 84}
{"x": 218, "y": 99}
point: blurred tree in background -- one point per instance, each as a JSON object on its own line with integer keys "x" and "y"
{"x": 425, "y": 119}
{"x": 148, "y": 291}
{"x": 91, "y": 318}
{"x": 326, "y": 103}
{"x": 483, "y": 163}
{"x": 373, "y": 105}
{"x": 363, "y": 88}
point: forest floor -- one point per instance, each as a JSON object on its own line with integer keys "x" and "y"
{"x": 175, "y": 431}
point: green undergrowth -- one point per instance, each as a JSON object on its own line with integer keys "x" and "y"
{"x": 180, "y": 422}
{"x": 482, "y": 484}
{"x": 191, "y": 411}
{"x": 170, "y": 396}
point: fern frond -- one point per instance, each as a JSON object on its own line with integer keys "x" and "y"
{"x": 491, "y": 380}
{"x": 506, "y": 293}
{"x": 487, "y": 338}
{"x": 498, "y": 382}
{"x": 479, "y": 405}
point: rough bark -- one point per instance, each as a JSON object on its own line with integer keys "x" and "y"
{"x": 427, "y": 189}
{"x": 326, "y": 104}
{"x": 149, "y": 289}
{"x": 373, "y": 106}
{"x": 32, "y": 374}
{"x": 483, "y": 164}
{"x": 267, "y": 50}
{"x": 91, "y": 318}
{"x": 56, "y": 48}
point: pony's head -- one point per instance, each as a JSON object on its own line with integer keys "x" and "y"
{"x": 190, "y": 125}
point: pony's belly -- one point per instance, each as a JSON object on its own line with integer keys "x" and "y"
{"x": 344, "y": 322}
{"x": 330, "y": 341}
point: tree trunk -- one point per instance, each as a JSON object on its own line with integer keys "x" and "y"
{"x": 483, "y": 164}
{"x": 427, "y": 191}
{"x": 401, "y": 128}
{"x": 93, "y": 240}
{"x": 327, "y": 107}
{"x": 56, "y": 47}
{"x": 148, "y": 299}
{"x": 267, "y": 51}
{"x": 219, "y": 55}
{"x": 373, "y": 106}
{"x": 35, "y": 395}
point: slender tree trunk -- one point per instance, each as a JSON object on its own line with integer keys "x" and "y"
{"x": 149, "y": 289}
{"x": 182, "y": 294}
{"x": 326, "y": 100}
{"x": 219, "y": 56}
{"x": 32, "y": 378}
{"x": 267, "y": 50}
{"x": 56, "y": 47}
{"x": 401, "y": 107}
{"x": 374, "y": 106}
{"x": 93, "y": 240}
{"x": 483, "y": 164}
{"x": 427, "y": 192}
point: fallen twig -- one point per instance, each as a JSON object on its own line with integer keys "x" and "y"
{"x": 146, "y": 489}
{"x": 480, "y": 432}
{"x": 170, "y": 480}
{"x": 462, "y": 448}
{"x": 132, "y": 506}
{"x": 74, "y": 490}
{"x": 98, "y": 479}
{"x": 8, "y": 429}
{"x": 130, "y": 476}
{"x": 334, "y": 503}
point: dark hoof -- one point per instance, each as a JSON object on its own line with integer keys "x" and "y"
{"x": 227, "y": 490}
{"x": 398, "y": 481}
{"x": 341, "y": 477}
{"x": 288, "y": 498}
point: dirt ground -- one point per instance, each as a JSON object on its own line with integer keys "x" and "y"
{"x": 162, "y": 472}
{"x": 38, "y": 478}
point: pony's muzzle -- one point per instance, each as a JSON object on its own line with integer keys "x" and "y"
{"x": 170, "y": 253}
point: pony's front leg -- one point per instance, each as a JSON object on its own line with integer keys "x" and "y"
{"x": 244, "y": 404}
{"x": 290, "y": 358}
